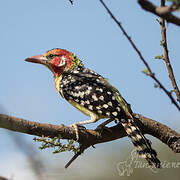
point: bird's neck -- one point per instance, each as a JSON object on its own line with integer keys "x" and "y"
{"x": 59, "y": 75}
{"x": 57, "y": 79}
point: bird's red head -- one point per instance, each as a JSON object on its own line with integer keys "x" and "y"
{"x": 57, "y": 60}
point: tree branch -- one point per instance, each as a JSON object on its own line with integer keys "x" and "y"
{"x": 89, "y": 137}
{"x": 164, "y": 12}
{"x": 166, "y": 55}
{"x": 3, "y": 178}
{"x": 149, "y": 73}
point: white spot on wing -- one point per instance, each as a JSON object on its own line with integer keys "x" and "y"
{"x": 90, "y": 107}
{"x": 82, "y": 103}
{"x": 98, "y": 107}
{"x": 87, "y": 102}
{"x": 77, "y": 87}
{"x": 115, "y": 113}
{"x": 87, "y": 92}
{"x": 110, "y": 103}
{"x": 94, "y": 97}
{"x": 118, "y": 108}
{"x": 105, "y": 106}
{"x": 101, "y": 98}
{"x": 99, "y": 89}
{"x": 81, "y": 94}
{"x": 99, "y": 111}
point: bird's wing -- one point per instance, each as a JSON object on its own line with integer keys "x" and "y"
{"x": 88, "y": 76}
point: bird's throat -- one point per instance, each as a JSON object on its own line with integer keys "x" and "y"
{"x": 56, "y": 82}
{"x": 57, "y": 71}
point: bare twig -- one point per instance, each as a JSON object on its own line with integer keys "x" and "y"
{"x": 82, "y": 148}
{"x": 150, "y": 73}
{"x": 166, "y": 56}
{"x": 71, "y": 1}
{"x": 164, "y": 12}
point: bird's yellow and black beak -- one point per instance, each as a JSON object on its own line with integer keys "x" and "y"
{"x": 40, "y": 59}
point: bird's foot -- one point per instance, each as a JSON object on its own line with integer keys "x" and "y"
{"x": 101, "y": 128}
{"x": 76, "y": 127}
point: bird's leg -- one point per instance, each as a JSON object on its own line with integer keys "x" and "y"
{"x": 77, "y": 124}
{"x": 102, "y": 126}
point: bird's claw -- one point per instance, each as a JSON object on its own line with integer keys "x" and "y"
{"x": 101, "y": 128}
{"x": 76, "y": 127}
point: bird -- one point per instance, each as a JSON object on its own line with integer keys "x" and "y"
{"x": 93, "y": 95}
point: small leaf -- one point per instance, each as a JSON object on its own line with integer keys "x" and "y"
{"x": 156, "y": 85}
{"x": 159, "y": 57}
{"x": 146, "y": 71}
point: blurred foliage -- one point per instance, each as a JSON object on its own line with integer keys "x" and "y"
{"x": 56, "y": 144}
{"x": 175, "y": 1}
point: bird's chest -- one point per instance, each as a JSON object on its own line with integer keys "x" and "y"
{"x": 56, "y": 83}
{"x": 89, "y": 96}
{"x": 63, "y": 85}
{"x": 67, "y": 89}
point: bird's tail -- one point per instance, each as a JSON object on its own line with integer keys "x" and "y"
{"x": 142, "y": 145}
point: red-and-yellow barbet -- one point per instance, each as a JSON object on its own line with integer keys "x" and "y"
{"x": 94, "y": 96}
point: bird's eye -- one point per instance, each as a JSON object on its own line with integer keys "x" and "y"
{"x": 50, "y": 56}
